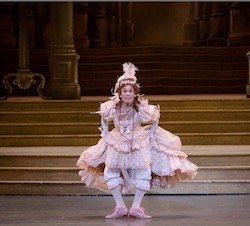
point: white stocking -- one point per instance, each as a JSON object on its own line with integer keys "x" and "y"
{"x": 117, "y": 194}
{"x": 139, "y": 194}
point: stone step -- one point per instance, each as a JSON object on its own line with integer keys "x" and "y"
{"x": 52, "y": 170}
{"x": 168, "y": 89}
{"x": 91, "y": 139}
{"x": 113, "y": 54}
{"x": 161, "y": 56}
{"x": 173, "y": 75}
{"x": 218, "y": 155}
{"x": 172, "y": 81}
{"x": 201, "y": 76}
{"x": 63, "y": 156}
{"x": 200, "y": 102}
{"x": 154, "y": 61}
{"x": 206, "y": 126}
{"x": 48, "y": 116}
{"x": 164, "y": 64}
{"x": 187, "y": 50}
{"x": 34, "y": 104}
{"x": 205, "y": 115}
{"x": 166, "y": 102}
{"x": 222, "y": 119}
{"x": 77, "y": 188}
{"x": 71, "y": 173}
{"x": 92, "y": 127}
{"x": 40, "y": 156}
{"x": 195, "y": 72}
{"x": 223, "y": 173}
{"x": 39, "y": 173}
{"x": 88, "y": 116}
{"x": 20, "y": 104}
{"x": 67, "y": 156}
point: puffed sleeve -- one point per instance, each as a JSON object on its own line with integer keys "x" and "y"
{"x": 107, "y": 110}
{"x": 148, "y": 113}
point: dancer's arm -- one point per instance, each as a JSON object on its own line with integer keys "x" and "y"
{"x": 151, "y": 134}
{"x": 105, "y": 129}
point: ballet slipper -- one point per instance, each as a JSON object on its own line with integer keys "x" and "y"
{"x": 117, "y": 213}
{"x": 138, "y": 213}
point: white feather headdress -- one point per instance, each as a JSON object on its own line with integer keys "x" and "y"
{"x": 128, "y": 76}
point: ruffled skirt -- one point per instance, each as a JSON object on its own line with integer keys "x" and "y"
{"x": 164, "y": 157}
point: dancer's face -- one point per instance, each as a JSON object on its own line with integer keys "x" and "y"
{"x": 128, "y": 94}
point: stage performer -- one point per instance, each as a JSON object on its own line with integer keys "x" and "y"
{"x": 137, "y": 154}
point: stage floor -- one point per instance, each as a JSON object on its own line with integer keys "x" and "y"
{"x": 166, "y": 210}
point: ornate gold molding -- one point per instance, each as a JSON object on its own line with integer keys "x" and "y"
{"x": 23, "y": 79}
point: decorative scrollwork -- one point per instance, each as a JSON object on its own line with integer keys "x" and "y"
{"x": 23, "y": 80}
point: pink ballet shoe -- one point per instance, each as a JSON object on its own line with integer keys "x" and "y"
{"x": 138, "y": 213}
{"x": 117, "y": 213}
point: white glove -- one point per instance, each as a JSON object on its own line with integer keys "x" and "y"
{"x": 151, "y": 134}
{"x": 104, "y": 129}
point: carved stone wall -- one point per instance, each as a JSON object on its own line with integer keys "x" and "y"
{"x": 221, "y": 24}
{"x": 107, "y": 25}
{"x": 159, "y": 23}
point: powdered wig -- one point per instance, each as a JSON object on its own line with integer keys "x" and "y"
{"x": 128, "y": 77}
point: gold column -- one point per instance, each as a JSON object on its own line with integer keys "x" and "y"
{"x": 63, "y": 62}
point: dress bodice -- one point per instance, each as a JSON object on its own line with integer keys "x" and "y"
{"x": 129, "y": 120}
{"x": 126, "y": 121}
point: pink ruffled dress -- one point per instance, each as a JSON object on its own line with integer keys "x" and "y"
{"x": 128, "y": 147}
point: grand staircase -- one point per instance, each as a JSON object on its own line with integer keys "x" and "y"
{"x": 167, "y": 70}
{"x": 163, "y": 69}
{"x": 41, "y": 141}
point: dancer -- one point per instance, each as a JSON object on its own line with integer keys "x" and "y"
{"x": 136, "y": 154}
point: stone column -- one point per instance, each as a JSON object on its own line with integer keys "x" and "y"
{"x": 127, "y": 25}
{"x": 31, "y": 25}
{"x": 248, "y": 84}
{"x": 218, "y": 25}
{"x": 190, "y": 28}
{"x": 239, "y": 24}
{"x": 80, "y": 19}
{"x": 99, "y": 20}
{"x": 63, "y": 62}
{"x": 119, "y": 23}
{"x": 7, "y": 38}
{"x": 204, "y": 23}
{"x": 42, "y": 29}
{"x": 112, "y": 24}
